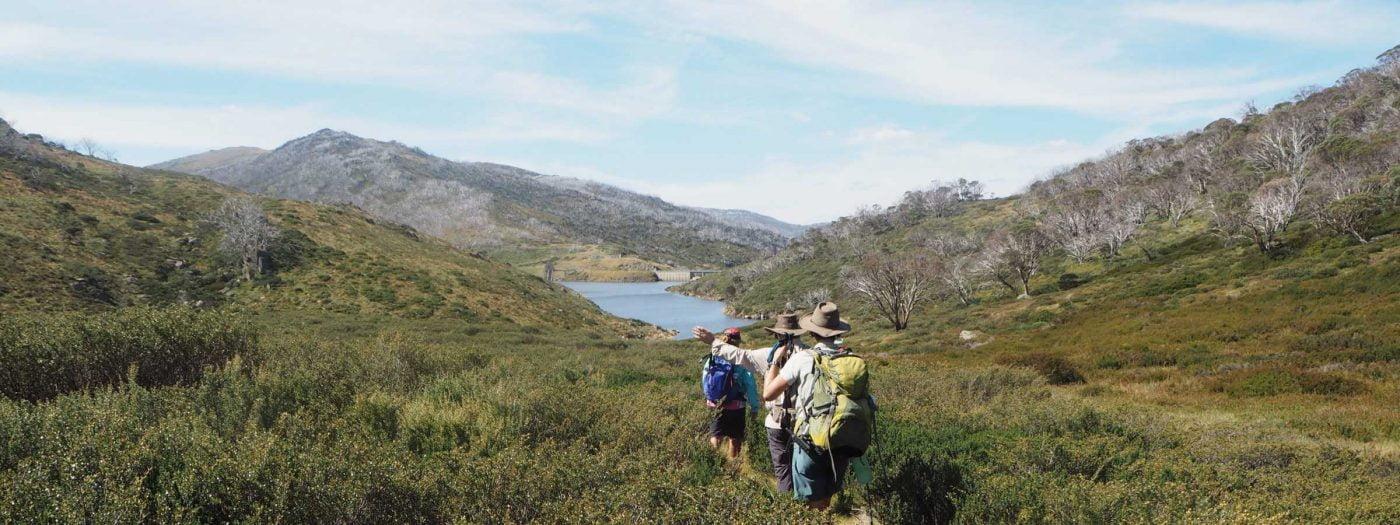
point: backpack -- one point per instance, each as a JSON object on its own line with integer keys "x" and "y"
{"x": 720, "y": 380}
{"x": 840, "y": 414}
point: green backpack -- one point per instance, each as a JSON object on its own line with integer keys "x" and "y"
{"x": 841, "y": 413}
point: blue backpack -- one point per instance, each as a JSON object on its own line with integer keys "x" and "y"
{"x": 720, "y": 380}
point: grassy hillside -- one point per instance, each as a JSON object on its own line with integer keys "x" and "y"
{"x": 582, "y": 262}
{"x": 83, "y": 234}
{"x": 1194, "y": 324}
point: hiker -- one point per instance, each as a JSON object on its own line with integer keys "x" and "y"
{"x": 834, "y": 411}
{"x": 729, "y": 387}
{"x": 778, "y": 423}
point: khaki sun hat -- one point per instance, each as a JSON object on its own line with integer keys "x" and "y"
{"x": 786, "y": 324}
{"x": 825, "y": 321}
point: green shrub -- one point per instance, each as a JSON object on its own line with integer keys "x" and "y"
{"x": 915, "y": 482}
{"x": 1056, "y": 370}
{"x": 1279, "y": 381}
{"x": 1069, "y": 281}
{"x": 44, "y": 357}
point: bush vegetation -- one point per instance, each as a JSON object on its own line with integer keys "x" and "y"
{"x": 510, "y": 426}
{"x": 43, "y": 357}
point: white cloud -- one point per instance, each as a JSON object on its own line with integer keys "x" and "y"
{"x": 807, "y": 192}
{"x": 884, "y": 133}
{"x": 473, "y": 48}
{"x": 199, "y": 128}
{"x": 969, "y": 54}
{"x": 1325, "y": 21}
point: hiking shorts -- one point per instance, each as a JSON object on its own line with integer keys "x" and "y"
{"x": 815, "y": 475}
{"x": 729, "y": 423}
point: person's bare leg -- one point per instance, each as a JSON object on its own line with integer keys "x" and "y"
{"x": 734, "y": 448}
{"x": 820, "y": 504}
{"x": 714, "y": 442}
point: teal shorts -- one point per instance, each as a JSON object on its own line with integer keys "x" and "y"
{"x": 816, "y": 476}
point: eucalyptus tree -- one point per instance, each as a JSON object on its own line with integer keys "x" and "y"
{"x": 1013, "y": 255}
{"x": 956, "y": 262}
{"x": 894, "y": 285}
{"x": 247, "y": 234}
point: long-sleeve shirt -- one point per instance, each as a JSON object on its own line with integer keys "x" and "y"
{"x": 756, "y": 362}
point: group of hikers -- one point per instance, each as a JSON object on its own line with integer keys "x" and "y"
{"x": 820, "y": 411}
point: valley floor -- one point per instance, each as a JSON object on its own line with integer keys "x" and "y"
{"x": 347, "y": 418}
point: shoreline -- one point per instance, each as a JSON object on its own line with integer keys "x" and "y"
{"x": 728, "y": 308}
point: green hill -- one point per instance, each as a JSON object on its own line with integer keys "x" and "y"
{"x": 85, "y": 234}
{"x": 1206, "y": 315}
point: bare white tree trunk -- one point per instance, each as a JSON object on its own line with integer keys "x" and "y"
{"x": 895, "y": 286}
{"x": 247, "y": 232}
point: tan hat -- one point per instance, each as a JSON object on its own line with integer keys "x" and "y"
{"x": 786, "y": 324}
{"x": 825, "y": 321}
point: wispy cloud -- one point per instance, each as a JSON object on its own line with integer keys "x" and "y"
{"x": 882, "y": 134}
{"x": 959, "y": 53}
{"x": 197, "y": 128}
{"x": 803, "y": 191}
{"x": 1323, "y": 21}
{"x": 472, "y": 48}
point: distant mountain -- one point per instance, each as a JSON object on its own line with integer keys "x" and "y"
{"x": 84, "y": 234}
{"x": 748, "y": 219}
{"x": 490, "y": 207}
{"x": 211, "y": 160}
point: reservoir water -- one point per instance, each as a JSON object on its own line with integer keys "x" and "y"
{"x": 651, "y": 302}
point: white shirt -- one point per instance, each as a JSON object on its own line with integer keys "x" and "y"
{"x": 756, "y": 361}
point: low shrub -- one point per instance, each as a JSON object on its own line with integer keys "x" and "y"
{"x": 1070, "y": 281}
{"x": 1275, "y": 381}
{"x": 1141, "y": 357}
{"x": 1056, "y": 370}
{"x": 43, "y": 357}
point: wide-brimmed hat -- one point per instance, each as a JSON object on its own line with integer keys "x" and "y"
{"x": 786, "y": 324}
{"x": 825, "y": 321}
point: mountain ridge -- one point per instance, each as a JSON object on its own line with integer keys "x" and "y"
{"x": 87, "y": 234}
{"x": 488, "y": 206}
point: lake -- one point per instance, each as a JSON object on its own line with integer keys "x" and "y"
{"x": 651, "y": 302}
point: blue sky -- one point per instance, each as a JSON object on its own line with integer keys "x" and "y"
{"x": 801, "y": 110}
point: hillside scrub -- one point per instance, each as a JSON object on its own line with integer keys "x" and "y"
{"x": 99, "y": 235}
{"x": 1322, "y": 163}
{"x": 45, "y": 356}
{"x": 1240, "y": 279}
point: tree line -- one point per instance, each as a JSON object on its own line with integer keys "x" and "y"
{"x": 1327, "y": 157}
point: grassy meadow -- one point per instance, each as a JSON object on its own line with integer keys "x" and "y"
{"x": 581, "y": 262}
{"x": 341, "y": 418}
